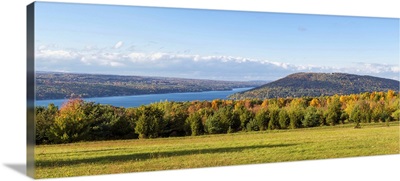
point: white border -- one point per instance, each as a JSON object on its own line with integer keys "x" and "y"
{"x": 13, "y": 95}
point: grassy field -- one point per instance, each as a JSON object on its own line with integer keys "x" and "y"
{"x": 105, "y": 157}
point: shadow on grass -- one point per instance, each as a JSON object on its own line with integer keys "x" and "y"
{"x": 150, "y": 155}
{"x": 69, "y": 153}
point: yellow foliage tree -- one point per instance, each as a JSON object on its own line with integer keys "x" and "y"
{"x": 315, "y": 102}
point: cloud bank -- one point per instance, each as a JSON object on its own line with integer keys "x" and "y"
{"x": 185, "y": 65}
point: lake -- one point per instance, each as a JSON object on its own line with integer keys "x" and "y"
{"x": 138, "y": 100}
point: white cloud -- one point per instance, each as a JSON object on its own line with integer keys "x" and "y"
{"x": 191, "y": 65}
{"x": 136, "y": 57}
{"x": 376, "y": 68}
{"x": 103, "y": 59}
{"x": 395, "y": 69}
{"x": 42, "y": 47}
{"x": 118, "y": 44}
{"x": 55, "y": 54}
{"x": 116, "y": 64}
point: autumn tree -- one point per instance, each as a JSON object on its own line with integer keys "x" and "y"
{"x": 264, "y": 103}
{"x": 315, "y": 102}
{"x": 379, "y": 111}
{"x": 77, "y": 120}
{"x": 71, "y": 124}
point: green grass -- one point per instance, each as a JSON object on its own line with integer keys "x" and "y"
{"x": 106, "y": 157}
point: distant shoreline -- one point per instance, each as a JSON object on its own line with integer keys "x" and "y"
{"x": 51, "y": 86}
{"x": 137, "y": 100}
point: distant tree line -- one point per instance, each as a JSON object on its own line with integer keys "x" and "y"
{"x": 317, "y": 84}
{"x": 63, "y": 85}
{"x": 77, "y": 120}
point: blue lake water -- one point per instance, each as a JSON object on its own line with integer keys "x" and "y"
{"x": 138, "y": 100}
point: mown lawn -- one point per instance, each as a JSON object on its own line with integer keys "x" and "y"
{"x": 106, "y": 157}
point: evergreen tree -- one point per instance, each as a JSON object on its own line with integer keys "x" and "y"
{"x": 274, "y": 119}
{"x": 261, "y": 120}
{"x": 284, "y": 119}
{"x": 150, "y": 123}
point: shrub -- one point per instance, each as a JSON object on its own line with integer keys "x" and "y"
{"x": 253, "y": 125}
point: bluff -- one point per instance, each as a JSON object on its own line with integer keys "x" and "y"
{"x": 318, "y": 84}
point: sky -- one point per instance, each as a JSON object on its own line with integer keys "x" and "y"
{"x": 210, "y": 44}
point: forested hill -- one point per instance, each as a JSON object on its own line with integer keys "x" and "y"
{"x": 319, "y": 84}
{"x": 54, "y": 85}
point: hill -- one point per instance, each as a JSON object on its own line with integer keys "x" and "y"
{"x": 319, "y": 84}
{"x": 56, "y": 85}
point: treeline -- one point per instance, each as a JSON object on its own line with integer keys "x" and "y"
{"x": 77, "y": 120}
{"x": 63, "y": 85}
{"x": 317, "y": 84}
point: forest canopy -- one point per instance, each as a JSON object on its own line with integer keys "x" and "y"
{"x": 53, "y": 85}
{"x": 78, "y": 120}
{"x": 319, "y": 84}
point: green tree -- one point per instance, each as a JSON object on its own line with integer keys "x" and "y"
{"x": 311, "y": 117}
{"x": 245, "y": 116}
{"x": 274, "y": 119}
{"x": 222, "y": 121}
{"x": 344, "y": 116}
{"x": 296, "y": 115}
{"x": 228, "y": 118}
{"x": 365, "y": 111}
{"x": 379, "y": 112}
{"x": 214, "y": 125}
{"x": 396, "y": 115}
{"x": 355, "y": 116}
{"x": 150, "y": 123}
{"x": 195, "y": 123}
{"x": 333, "y": 112}
{"x": 174, "y": 116}
{"x": 284, "y": 120}
{"x": 43, "y": 121}
{"x": 261, "y": 120}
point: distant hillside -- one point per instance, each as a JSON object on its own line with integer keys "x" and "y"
{"x": 317, "y": 84}
{"x": 54, "y": 85}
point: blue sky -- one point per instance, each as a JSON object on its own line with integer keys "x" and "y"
{"x": 224, "y": 45}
